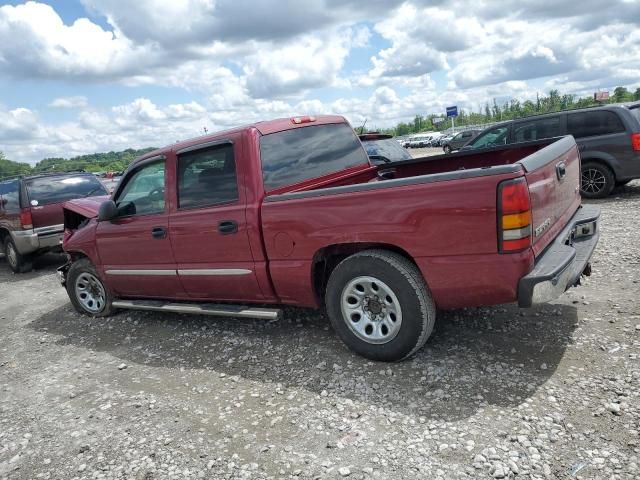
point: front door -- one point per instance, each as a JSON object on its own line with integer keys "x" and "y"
{"x": 208, "y": 229}
{"x": 134, "y": 248}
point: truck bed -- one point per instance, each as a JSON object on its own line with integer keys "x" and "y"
{"x": 441, "y": 211}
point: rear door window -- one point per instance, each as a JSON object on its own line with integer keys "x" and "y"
{"x": 589, "y": 124}
{"x": 207, "y": 177}
{"x": 537, "y": 129}
{"x": 300, "y": 154}
{"x": 10, "y": 196}
{"x": 495, "y": 136}
{"x": 56, "y": 189}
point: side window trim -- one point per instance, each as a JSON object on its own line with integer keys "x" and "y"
{"x": 202, "y": 147}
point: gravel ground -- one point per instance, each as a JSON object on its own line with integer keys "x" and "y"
{"x": 547, "y": 393}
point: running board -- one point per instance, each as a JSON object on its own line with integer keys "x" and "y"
{"x": 236, "y": 311}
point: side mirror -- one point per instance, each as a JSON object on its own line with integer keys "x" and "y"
{"x": 108, "y": 211}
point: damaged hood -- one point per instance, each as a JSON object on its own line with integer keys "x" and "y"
{"x": 87, "y": 207}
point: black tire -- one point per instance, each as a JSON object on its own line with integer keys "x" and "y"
{"x": 416, "y": 312}
{"x": 85, "y": 269}
{"x": 447, "y": 149}
{"x": 17, "y": 262}
{"x": 596, "y": 180}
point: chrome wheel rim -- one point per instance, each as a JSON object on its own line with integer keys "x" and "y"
{"x": 371, "y": 310}
{"x": 90, "y": 292}
{"x": 12, "y": 255}
{"x": 593, "y": 180}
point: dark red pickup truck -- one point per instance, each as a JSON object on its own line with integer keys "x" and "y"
{"x": 292, "y": 212}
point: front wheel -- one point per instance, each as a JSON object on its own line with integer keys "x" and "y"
{"x": 447, "y": 149}
{"x": 380, "y": 306}
{"x": 596, "y": 180}
{"x": 87, "y": 292}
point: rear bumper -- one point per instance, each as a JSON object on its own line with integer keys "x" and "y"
{"x": 564, "y": 261}
{"x": 33, "y": 240}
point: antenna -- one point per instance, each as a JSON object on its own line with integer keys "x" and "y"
{"x": 362, "y": 127}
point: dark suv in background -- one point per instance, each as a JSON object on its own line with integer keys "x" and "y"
{"x": 608, "y": 138}
{"x": 31, "y": 217}
{"x": 459, "y": 140}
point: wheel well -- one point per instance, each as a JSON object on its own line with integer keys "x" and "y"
{"x": 3, "y": 234}
{"x": 600, "y": 162}
{"x": 327, "y": 259}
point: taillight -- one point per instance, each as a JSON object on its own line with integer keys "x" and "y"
{"x": 635, "y": 141}
{"x": 25, "y": 218}
{"x": 514, "y": 216}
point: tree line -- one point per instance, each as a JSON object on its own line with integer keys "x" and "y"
{"x": 95, "y": 162}
{"x": 494, "y": 112}
{"x": 553, "y": 102}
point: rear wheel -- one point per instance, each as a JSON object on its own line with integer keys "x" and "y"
{"x": 380, "y": 306}
{"x": 597, "y": 180}
{"x": 87, "y": 292}
{"x": 17, "y": 262}
{"x": 447, "y": 149}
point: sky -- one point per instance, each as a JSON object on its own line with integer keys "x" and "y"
{"x": 85, "y": 76}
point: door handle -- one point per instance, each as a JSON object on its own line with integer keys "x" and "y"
{"x": 159, "y": 232}
{"x": 561, "y": 170}
{"x": 227, "y": 227}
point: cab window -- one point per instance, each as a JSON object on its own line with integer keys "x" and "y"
{"x": 143, "y": 191}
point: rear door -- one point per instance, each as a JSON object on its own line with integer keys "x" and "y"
{"x": 46, "y": 194}
{"x": 553, "y": 176}
{"x": 209, "y": 229}
{"x": 134, "y": 248}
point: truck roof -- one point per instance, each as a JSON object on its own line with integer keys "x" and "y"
{"x": 264, "y": 127}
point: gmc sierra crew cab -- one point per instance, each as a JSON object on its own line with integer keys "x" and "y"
{"x": 292, "y": 212}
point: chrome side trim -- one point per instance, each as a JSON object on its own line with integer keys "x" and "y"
{"x": 49, "y": 230}
{"x": 197, "y": 272}
{"x": 151, "y": 273}
{"x": 200, "y": 309}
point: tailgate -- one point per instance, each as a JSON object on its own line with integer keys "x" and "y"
{"x": 47, "y": 215}
{"x": 553, "y": 176}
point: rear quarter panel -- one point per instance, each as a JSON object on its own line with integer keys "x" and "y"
{"x": 449, "y": 228}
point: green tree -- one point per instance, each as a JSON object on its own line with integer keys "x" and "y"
{"x": 9, "y": 168}
{"x": 636, "y": 95}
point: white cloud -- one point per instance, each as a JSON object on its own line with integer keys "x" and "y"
{"x": 233, "y": 62}
{"x": 70, "y": 102}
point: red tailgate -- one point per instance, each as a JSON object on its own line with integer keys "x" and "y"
{"x": 553, "y": 175}
{"x": 47, "y": 215}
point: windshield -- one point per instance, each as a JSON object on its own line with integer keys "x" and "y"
{"x": 48, "y": 190}
{"x": 387, "y": 148}
{"x": 293, "y": 156}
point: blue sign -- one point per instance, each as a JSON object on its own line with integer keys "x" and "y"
{"x": 452, "y": 111}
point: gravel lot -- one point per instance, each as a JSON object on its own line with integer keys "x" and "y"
{"x": 551, "y": 392}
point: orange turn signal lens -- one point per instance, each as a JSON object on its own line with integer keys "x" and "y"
{"x": 516, "y": 220}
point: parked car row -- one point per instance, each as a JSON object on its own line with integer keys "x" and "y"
{"x": 608, "y": 138}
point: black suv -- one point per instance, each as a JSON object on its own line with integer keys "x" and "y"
{"x": 608, "y": 138}
{"x": 31, "y": 215}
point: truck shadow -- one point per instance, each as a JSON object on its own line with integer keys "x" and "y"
{"x": 42, "y": 264}
{"x": 475, "y": 359}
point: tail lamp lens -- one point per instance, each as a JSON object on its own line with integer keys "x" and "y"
{"x": 514, "y": 216}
